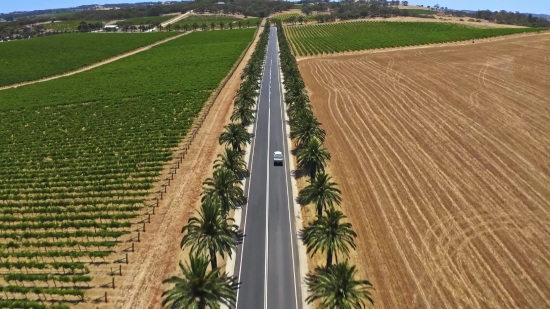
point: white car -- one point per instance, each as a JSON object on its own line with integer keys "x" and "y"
{"x": 278, "y": 158}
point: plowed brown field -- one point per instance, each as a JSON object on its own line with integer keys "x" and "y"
{"x": 443, "y": 158}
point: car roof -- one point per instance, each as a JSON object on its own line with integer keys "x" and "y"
{"x": 278, "y": 152}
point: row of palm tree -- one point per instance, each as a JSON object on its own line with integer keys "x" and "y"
{"x": 211, "y": 234}
{"x": 333, "y": 286}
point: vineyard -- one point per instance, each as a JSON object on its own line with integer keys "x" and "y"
{"x": 68, "y": 24}
{"x": 293, "y": 18}
{"x": 26, "y": 60}
{"x": 148, "y": 20}
{"x": 78, "y": 164}
{"x": 216, "y": 21}
{"x": 352, "y": 36}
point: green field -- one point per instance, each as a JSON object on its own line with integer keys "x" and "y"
{"x": 26, "y": 60}
{"x": 148, "y": 20}
{"x": 79, "y": 155}
{"x": 298, "y": 6}
{"x": 217, "y": 19}
{"x": 350, "y": 36}
{"x": 68, "y": 24}
{"x": 421, "y": 11}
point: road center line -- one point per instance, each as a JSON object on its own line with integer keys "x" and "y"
{"x": 267, "y": 186}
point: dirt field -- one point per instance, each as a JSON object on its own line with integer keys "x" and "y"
{"x": 442, "y": 157}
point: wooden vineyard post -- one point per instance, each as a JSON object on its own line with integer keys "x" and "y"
{"x": 157, "y": 202}
{"x": 113, "y": 278}
{"x": 138, "y": 236}
{"x": 143, "y": 227}
{"x": 126, "y": 262}
{"x": 161, "y": 195}
{"x": 106, "y": 297}
{"x": 132, "y": 246}
{"x": 149, "y": 218}
{"x": 154, "y": 209}
{"x": 120, "y": 266}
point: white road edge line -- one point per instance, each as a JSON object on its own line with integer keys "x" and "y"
{"x": 286, "y": 179}
{"x": 267, "y": 188}
{"x": 302, "y": 256}
{"x": 258, "y": 101}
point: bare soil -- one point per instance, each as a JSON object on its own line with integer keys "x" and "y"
{"x": 441, "y": 154}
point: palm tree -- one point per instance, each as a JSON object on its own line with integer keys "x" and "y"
{"x": 321, "y": 192}
{"x": 329, "y": 234}
{"x": 313, "y": 157}
{"x": 336, "y": 287}
{"x": 245, "y": 101}
{"x": 224, "y": 188}
{"x": 306, "y": 128}
{"x": 233, "y": 161}
{"x": 211, "y": 232}
{"x": 243, "y": 114}
{"x": 234, "y": 135}
{"x": 199, "y": 288}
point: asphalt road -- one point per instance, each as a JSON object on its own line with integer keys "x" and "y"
{"x": 267, "y": 262}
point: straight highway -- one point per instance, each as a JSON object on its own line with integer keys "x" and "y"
{"x": 267, "y": 264}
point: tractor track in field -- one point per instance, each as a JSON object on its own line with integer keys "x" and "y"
{"x": 441, "y": 156}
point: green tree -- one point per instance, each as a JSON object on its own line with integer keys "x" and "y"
{"x": 337, "y": 288}
{"x": 213, "y": 25}
{"x": 243, "y": 114}
{"x": 312, "y": 157}
{"x": 234, "y": 135}
{"x": 222, "y": 24}
{"x": 211, "y": 233}
{"x": 224, "y": 187}
{"x": 199, "y": 288}
{"x": 329, "y": 234}
{"x": 306, "y": 127}
{"x": 320, "y": 192}
{"x": 233, "y": 161}
{"x": 185, "y": 27}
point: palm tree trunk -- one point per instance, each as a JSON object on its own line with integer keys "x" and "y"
{"x": 312, "y": 172}
{"x": 329, "y": 258}
{"x": 213, "y": 259}
{"x": 319, "y": 211}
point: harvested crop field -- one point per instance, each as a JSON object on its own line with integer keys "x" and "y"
{"x": 442, "y": 157}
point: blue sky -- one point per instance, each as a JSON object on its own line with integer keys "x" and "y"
{"x": 524, "y": 6}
